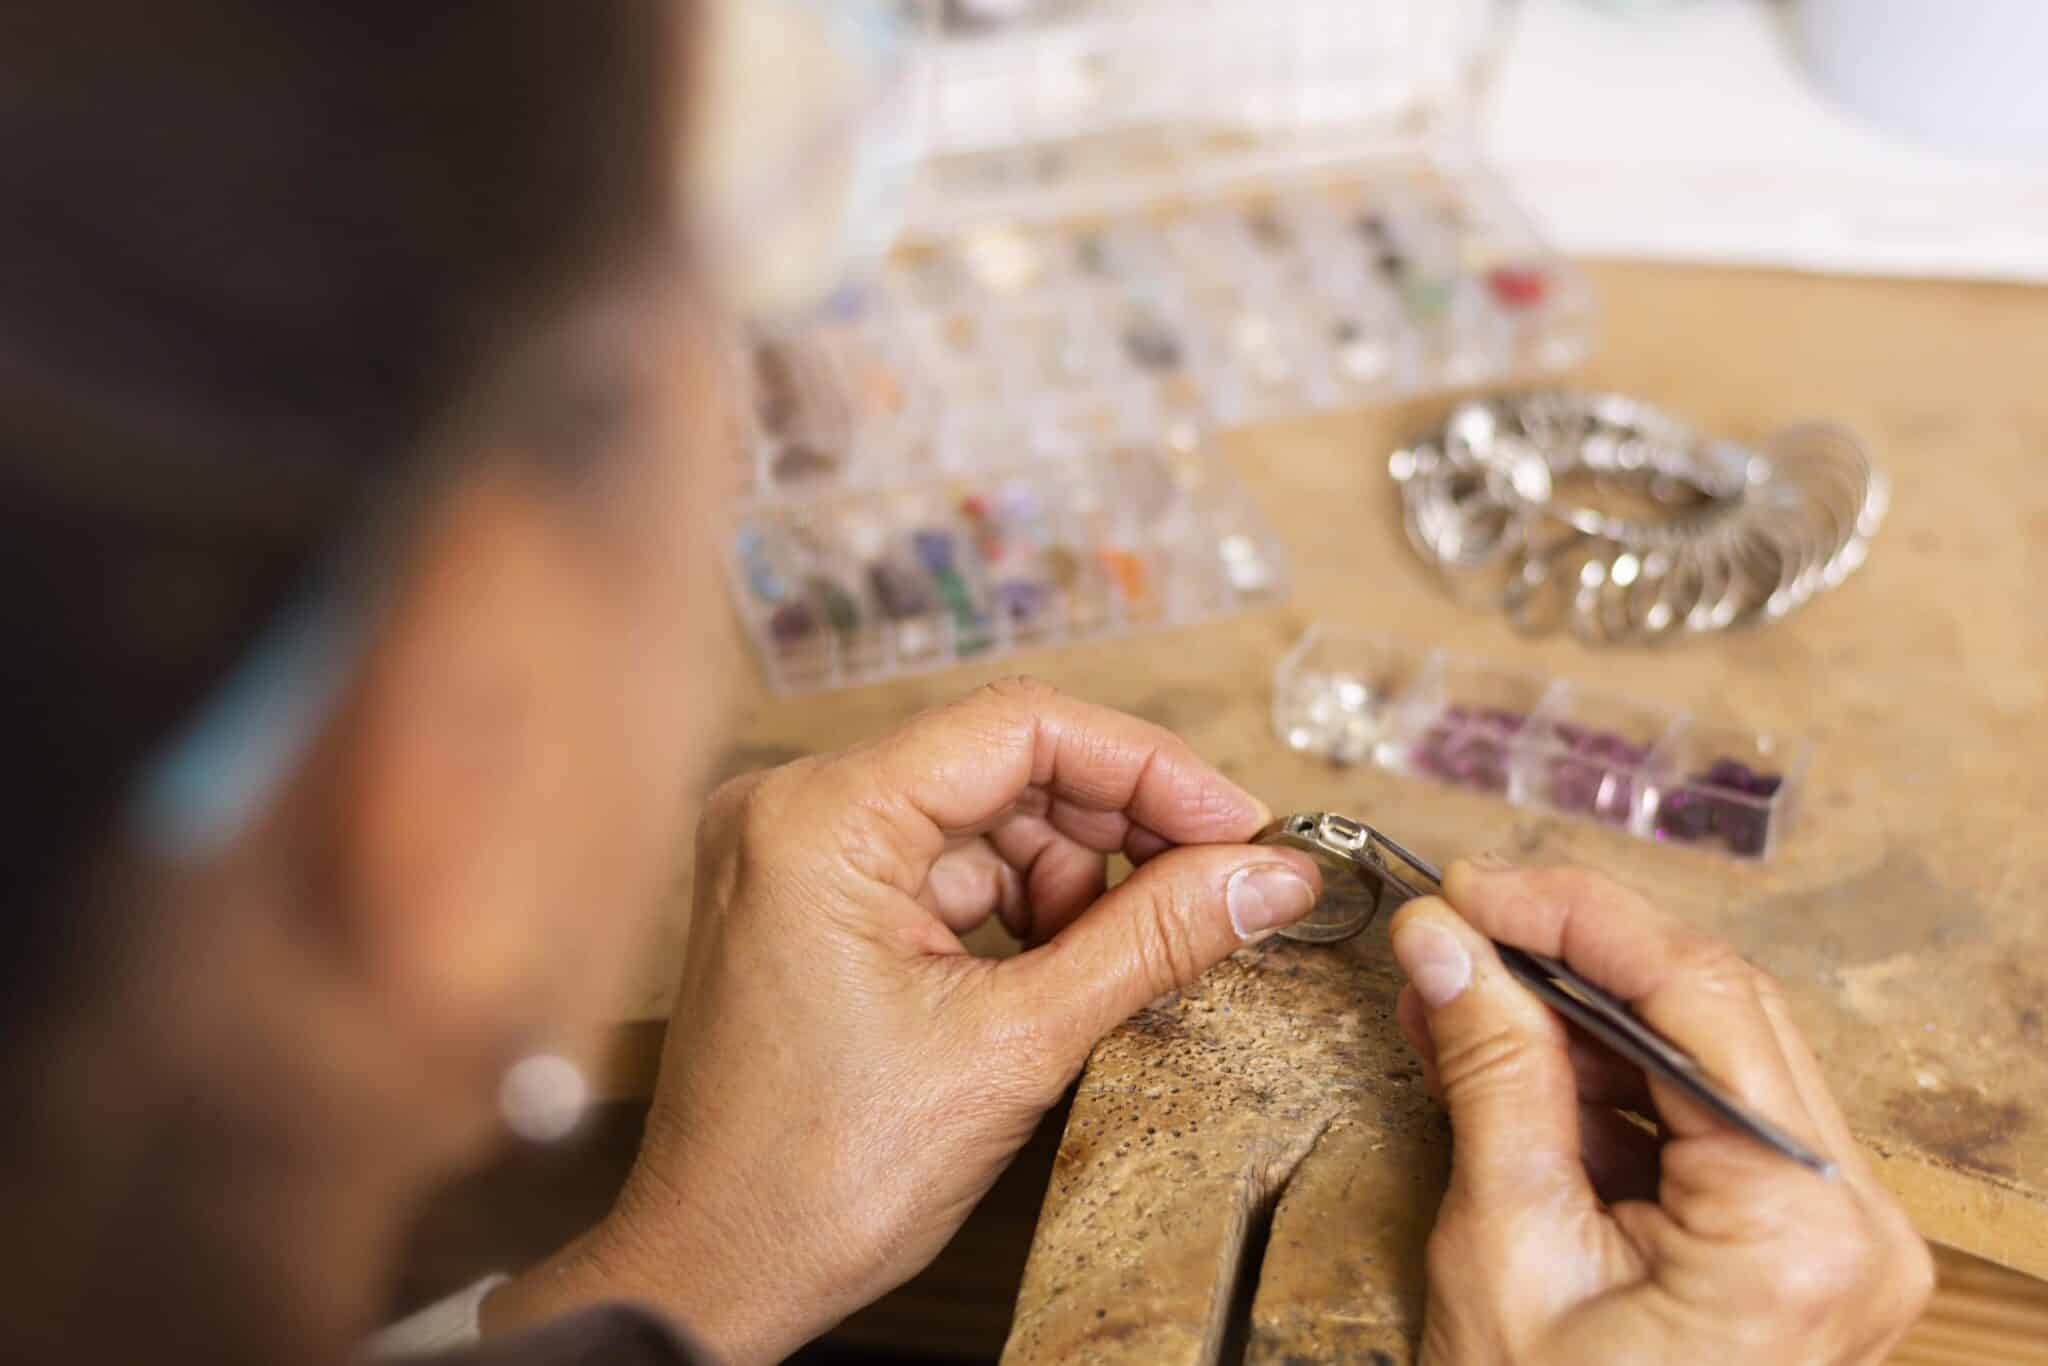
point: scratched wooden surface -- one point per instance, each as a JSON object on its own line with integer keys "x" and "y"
{"x": 1907, "y": 912}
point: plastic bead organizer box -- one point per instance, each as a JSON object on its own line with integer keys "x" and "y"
{"x": 1132, "y": 222}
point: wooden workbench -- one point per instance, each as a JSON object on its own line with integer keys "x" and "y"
{"x": 1907, "y": 913}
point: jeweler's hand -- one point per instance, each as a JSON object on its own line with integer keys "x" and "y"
{"x": 843, "y": 1081}
{"x": 1570, "y": 1234}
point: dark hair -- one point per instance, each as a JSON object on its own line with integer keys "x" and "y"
{"x": 250, "y": 252}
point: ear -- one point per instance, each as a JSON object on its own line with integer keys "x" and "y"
{"x": 458, "y": 766}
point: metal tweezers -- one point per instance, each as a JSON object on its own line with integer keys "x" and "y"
{"x": 1597, "y": 1011}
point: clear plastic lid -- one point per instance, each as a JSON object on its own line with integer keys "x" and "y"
{"x": 1042, "y": 109}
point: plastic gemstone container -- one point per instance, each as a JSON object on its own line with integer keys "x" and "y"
{"x": 1652, "y": 772}
{"x": 1133, "y": 221}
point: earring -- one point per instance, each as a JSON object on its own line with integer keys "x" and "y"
{"x": 542, "y": 1097}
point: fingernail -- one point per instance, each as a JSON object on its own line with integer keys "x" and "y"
{"x": 1263, "y": 899}
{"x": 1434, "y": 960}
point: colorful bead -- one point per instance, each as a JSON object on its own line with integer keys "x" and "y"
{"x": 797, "y": 462}
{"x": 1019, "y": 503}
{"x": 1268, "y": 231}
{"x": 1729, "y": 801}
{"x": 1363, "y": 357}
{"x": 1021, "y": 599}
{"x": 1746, "y": 828}
{"x": 1063, "y": 567}
{"x": 1151, "y": 345}
{"x": 1128, "y": 570}
{"x": 1469, "y": 747}
{"x": 763, "y": 580}
{"x": 1428, "y": 299}
{"x": 792, "y": 622}
{"x": 1245, "y": 564}
{"x": 775, "y": 391}
{"x": 1685, "y": 815}
{"x": 882, "y": 390}
{"x": 1518, "y": 286}
{"x": 1740, "y": 777}
{"x": 900, "y": 591}
{"x": 968, "y": 623}
{"x": 841, "y": 609}
{"x": 935, "y": 550}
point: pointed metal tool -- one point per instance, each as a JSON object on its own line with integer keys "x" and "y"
{"x": 1392, "y": 875}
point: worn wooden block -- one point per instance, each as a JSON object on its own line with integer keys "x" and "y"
{"x": 1190, "y": 1133}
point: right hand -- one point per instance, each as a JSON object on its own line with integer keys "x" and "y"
{"x": 844, "y": 1081}
{"x": 1568, "y": 1233}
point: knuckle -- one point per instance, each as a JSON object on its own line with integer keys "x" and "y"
{"x": 1485, "y": 1068}
{"x": 1916, "y": 1275}
{"x": 730, "y": 797}
{"x": 753, "y": 814}
{"x": 869, "y": 843}
{"x": 994, "y": 718}
{"x": 1832, "y": 1274}
{"x": 1484, "y": 1063}
{"x": 729, "y": 809}
{"x": 1160, "y": 945}
{"x": 1571, "y": 886}
{"x": 1806, "y": 1292}
{"x": 1203, "y": 805}
{"x": 1447, "y": 1257}
{"x": 1769, "y": 990}
{"x": 1036, "y": 1057}
{"x": 1097, "y": 748}
{"x": 762, "y": 801}
{"x": 1907, "y": 1264}
{"x": 1713, "y": 966}
{"x": 1573, "y": 883}
{"x": 1019, "y": 690}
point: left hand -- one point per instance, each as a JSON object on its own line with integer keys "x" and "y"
{"x": 1570, "y": 1233}
{"x": 843, "y": 1080}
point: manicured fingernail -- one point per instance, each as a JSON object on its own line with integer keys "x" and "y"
{"x": 1434, "y": 960}
{"x": 1263, "y": 899}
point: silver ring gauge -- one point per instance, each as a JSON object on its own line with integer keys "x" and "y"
{"x": 1600, "y": 514}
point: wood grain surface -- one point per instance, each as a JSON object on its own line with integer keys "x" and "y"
{"x": 1907, "y": 912}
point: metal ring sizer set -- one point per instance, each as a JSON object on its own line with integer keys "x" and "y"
{"x": 1656, "y": 773}
{"x": 1604, "y": 514}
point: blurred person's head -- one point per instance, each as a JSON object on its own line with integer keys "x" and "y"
{"x": 356, "y": 463}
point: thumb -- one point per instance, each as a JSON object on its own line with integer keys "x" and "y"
{"x": 1157, "y": 931}
{"x": 1502, "y": 1062}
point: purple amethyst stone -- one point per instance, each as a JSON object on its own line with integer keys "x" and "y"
{"x": 792, "y": 622}
{"x": 1685, "y": 815}
{"x": 934, "y": 550}
{"x": 1730, "y": 801}
{"x": 1746, "y": 828}
{"x": 1021, "y": 599}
